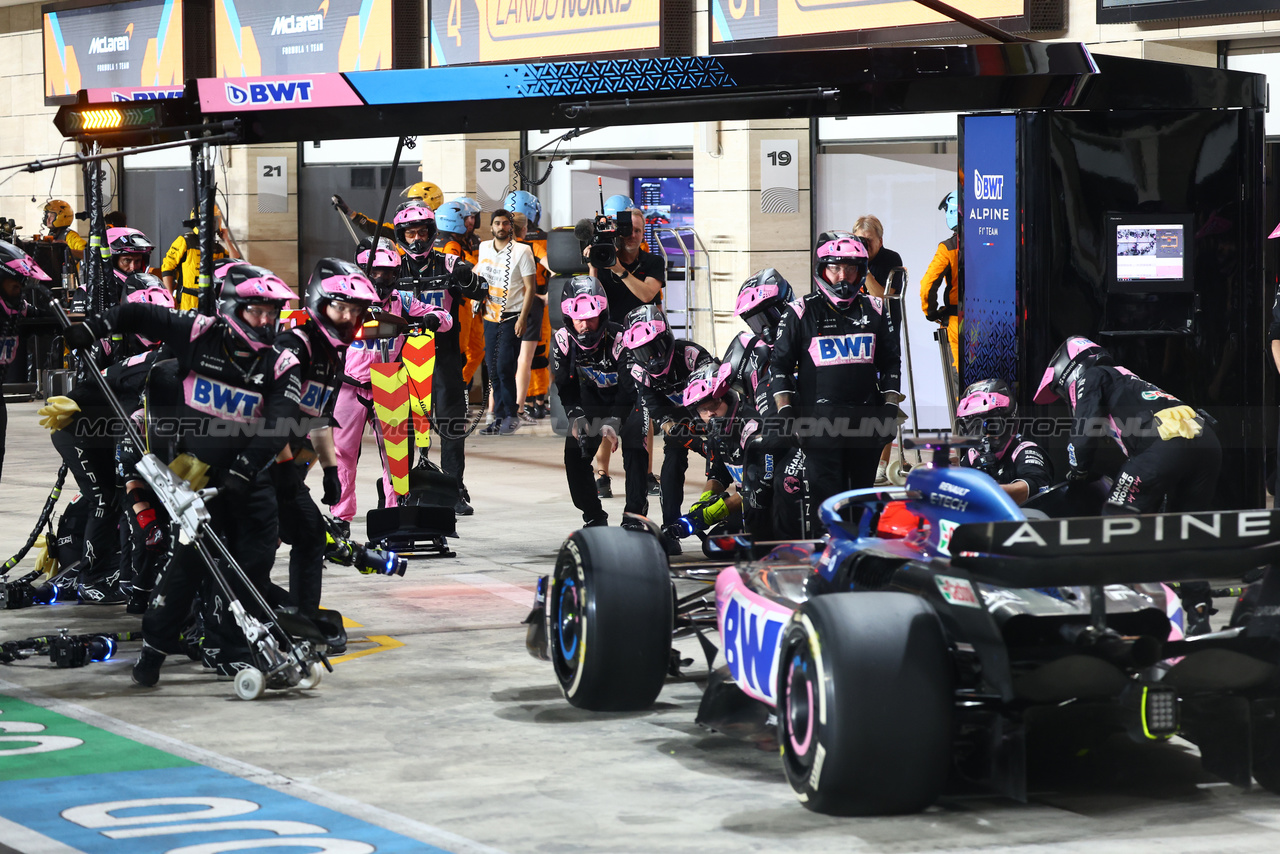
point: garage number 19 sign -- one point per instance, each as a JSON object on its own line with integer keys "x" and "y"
{"x": 779, "y": 176}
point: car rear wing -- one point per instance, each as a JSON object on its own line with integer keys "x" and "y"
{"x": 1117, "y": 549}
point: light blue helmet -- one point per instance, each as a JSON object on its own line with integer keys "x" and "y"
{"x": 451, "y": 217}
{"x": 469, "y": 205}
{"x": 950, "y": 203}
{"x": 615, "y": 204}
{"x": 522, "y": 202}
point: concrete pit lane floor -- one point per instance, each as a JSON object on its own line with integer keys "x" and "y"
{"x": 438, "y": 732}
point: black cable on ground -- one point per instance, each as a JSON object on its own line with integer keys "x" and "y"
{"x": 49, "y": 504}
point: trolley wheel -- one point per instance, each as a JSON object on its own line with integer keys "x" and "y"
{"x": 896, "y": 471}
{"x": 312, "y": 679}
{"x": 250, "y": 683}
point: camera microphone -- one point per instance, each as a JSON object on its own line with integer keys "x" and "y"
{"x": 584, "y": 231}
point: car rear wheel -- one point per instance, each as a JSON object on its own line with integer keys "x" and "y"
{"x": 865, "y": 695}
{"x": 609, "y": 619}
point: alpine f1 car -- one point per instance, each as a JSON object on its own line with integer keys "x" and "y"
{"x": 932, "y": 628}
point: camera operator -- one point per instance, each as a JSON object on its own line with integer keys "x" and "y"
{"x": 631, "y": 277}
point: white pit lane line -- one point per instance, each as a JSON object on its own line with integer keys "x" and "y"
{"x": 24, "y": 840}
{"x": 339, "y": 803}
{"x": 512, "y": 592}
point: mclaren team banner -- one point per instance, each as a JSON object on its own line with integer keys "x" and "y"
{"x": 470, "y": 31}
{"x": 738, "y": 20}
{"x": 256, "y": 38}
{"x": 125, "y": 45}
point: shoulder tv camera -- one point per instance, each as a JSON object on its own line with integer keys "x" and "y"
{"x": 605, "y": 233}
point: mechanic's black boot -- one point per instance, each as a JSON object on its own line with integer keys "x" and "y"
{"x": 103, "y": 591}
{"x": 671, "y": 545}
{"x": 146, "y": 672}
{"x": 463, "y": 507}
{"x": 138, "y": 599}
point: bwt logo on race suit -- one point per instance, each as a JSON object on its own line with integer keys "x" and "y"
{"x": 857, "y": 349}
{"x": 220, "y": 400}
{"x": 602, "y": 379}
{"x": 271, "y": 92}
{"x": 314, "y": 397}
{"x": 287, "y": 25}
{"x": 988, "y": 187}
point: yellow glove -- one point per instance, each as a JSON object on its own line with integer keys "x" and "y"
{"x": 45, "y": 562}
{"x": 1178, "y": 422}
{"x": 704, "y": 499}
{"x": 191, "y": 469}
{"x": 57, "y": 413}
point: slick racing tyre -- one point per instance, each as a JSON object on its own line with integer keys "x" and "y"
{"x": 865, "y": 692}
{"x": 609, "y": 619}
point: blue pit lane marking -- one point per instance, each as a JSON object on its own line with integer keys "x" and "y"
{"x": 74, "y": 781}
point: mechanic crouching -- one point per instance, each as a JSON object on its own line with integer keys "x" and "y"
{"x": 1173, "y": 453}
{"x": 736, "y": 456}
{"x": 661, "y": 366}
{"x": 232, "y": 389}
{"x": 988, "y": 412}
{"x": 836, "y": 368}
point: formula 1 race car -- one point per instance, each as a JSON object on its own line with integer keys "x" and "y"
{"x": 892, "y": 657}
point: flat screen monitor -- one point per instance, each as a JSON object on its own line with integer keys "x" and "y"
{"x": 1149, "y": 253}
{"x": 125, "y": 46}
{"x": 667, "y": 202}
{"x": 256, "y": 38}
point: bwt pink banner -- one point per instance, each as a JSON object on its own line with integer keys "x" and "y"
{"x": 116, "y": 94}
{"x": 239, "y": 94}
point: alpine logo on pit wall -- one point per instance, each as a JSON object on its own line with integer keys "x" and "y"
{"x": 843, "y": 349}
{"x": 988, "y": 187}
{"x": 271, "y": 92}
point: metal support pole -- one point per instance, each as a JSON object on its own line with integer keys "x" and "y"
{"x": 97, "y": 251}
{"x": 208, "y": 226}
{"x": 386, "y": 201}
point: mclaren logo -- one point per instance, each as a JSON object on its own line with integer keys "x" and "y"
{"x": 288, "y": 25}
{"x": 109, "y": 44}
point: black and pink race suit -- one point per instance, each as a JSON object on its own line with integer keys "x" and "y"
{"x": 596, "y": 385}
{"x": 301, "y": 523}
{"x": 1114, "y": 402}
{"x": 233, "y": 407}
{"x": 438, "y": 287}
{"x": 836, "y": 365}
{"x": 661, "y": 400}
{"x": 1021, "y": 459}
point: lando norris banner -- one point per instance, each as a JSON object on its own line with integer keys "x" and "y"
{"x": 255, "y": 38}
{"x": 470, "y": 31}
{"x": 126, "y": 45}
{"x": 738, "y": 20}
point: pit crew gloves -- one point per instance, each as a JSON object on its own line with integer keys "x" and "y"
{"x": 1178, "y": 422}
{"x": 332, "y": 486}
{"x": 57, "y": 413}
